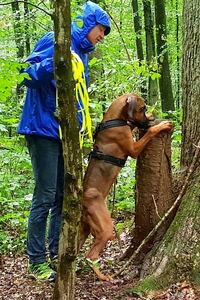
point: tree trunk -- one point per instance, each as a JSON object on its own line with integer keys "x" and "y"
{"x": 153, "y": 94}
{"x": 67, "y": 115}
{"x": 165, "y": 84}
{"x": 138, "y": 33}
{"x": 26, "y": 27}
{"x": 153, "y": 191}
{"x": 138, "y": 29}
{"x": 18, "y": 29}
{"x": 177, "y": 257}
{"x": 18, "y": 33}
{"x": 177, "y": 58}
{"x": 190, "y": 81}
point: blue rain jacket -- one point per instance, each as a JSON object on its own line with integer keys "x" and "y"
{"x": 40, "y": 103}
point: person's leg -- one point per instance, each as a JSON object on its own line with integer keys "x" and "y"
{"x": 44, "y": 157}
{"x": 56, "y": 210}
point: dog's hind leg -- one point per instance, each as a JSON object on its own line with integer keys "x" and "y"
{"x": 101, "y": 227}
{"x": 84, "y": 233}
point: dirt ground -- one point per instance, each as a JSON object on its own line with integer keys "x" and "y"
{"x": 15, "y": 284}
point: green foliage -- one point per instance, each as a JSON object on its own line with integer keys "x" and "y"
{"x": 124, "y": 190}
{"x": 112, "y": 73}
{"x": 144, "y": 286}
{"x": 16, "y": 186}
{"x": 122, "y": 226}
{"x": 9, "y": 77}
{"x": 126, "y": 184}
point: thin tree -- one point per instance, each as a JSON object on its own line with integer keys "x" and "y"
{"x": 165, "y": 83}
{"x": 153, "y": 93}
{"x": 17, "y": 29}
{"x": 67, "y": 115}
{"x": 138, "y": 30}
{"x": 177, "y": 57}
{"x": 26, "y": 28}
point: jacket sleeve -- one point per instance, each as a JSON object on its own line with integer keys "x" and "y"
{"x": 40, "y": 73}
{"x": 41, "y": 64}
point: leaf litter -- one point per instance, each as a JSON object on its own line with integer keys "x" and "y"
{"x": 15, "y": 284}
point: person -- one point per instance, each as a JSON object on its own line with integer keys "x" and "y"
{"x": 40, "y": 128}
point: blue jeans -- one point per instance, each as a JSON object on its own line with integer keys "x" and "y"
{"x": 48, "y": 168}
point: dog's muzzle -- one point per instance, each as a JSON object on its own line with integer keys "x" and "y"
{"x": 143, "y": 125}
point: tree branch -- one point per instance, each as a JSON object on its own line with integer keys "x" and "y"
{"x": 177, "y": 201}
{"x": 118, "y": 29}
{"x": 34, "y": 5}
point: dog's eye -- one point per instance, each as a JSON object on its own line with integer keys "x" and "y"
{"x": 143, "y": 109}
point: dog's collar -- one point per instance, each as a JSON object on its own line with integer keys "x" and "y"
{"x": 119, "y": 162}
{"x": 112, "y": 123}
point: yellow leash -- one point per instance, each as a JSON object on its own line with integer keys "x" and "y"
{"x": 82, "y": 98}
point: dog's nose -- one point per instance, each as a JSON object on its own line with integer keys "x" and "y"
{"x": 150, "y": 117}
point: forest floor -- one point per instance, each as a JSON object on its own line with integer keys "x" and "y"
{"x": 15, "y": 284}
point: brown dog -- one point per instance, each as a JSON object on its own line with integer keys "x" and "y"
{"x": 113, "y": 144}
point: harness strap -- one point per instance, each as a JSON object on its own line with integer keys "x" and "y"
{"x": 110, "y": 124}
{"x": 119, "y": 162}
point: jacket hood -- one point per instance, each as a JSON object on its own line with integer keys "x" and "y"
{"x": 93, "y": 14}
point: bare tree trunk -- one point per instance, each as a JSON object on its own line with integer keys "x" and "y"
{"x": 177, "y": 258}
{"x": 67, "y": 115}
{"x": 177, "y": 57}
{"x": 190, "y": 82}
{"x": 165, "y": 83}
{"x": 153, "y": 191}
{"x": 18, "y": 29}
{"x": 18, "y": 33}
{"x": 26, "y": 27}
{"x": 138, "y": 32}
{"x": 153, "y": 93}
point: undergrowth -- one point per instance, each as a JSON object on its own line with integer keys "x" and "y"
{"x": 16, "y": 187}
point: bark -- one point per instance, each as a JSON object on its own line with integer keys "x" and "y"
{"x": 153, "y": 191}
{"x": 18, "y": 33}
{"x": 17, "y": 29}
{"x": 176, "y": 258}
{"x": 67, "y": 116}
{"x": 138, "y": 29}
{"x": 177, "y": 58}
{"x": 165, "y": 83}
{"x": 153, "y": 94}
{"x": 190, "y": 81}
{"x": 26, "y": 27}
{"x": 138, "y": 33}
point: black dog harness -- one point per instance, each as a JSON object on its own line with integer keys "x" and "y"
{"x": 109, "y": 158}
{"x": 110, "y": 124}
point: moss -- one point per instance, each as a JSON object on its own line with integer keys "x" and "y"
{"x": 150, "y": 283}
{"x": 195, "y": 274}
{"x": 195, "y": 277}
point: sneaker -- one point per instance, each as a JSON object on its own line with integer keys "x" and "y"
{"x": 41, "y": 271}
{"x": 54, "y": 262}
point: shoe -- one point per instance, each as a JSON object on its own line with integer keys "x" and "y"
{"x": 41, "y": 271}
{"x": 54, "y": 263}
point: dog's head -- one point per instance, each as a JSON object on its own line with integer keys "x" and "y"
{"x": 135, "y": 111}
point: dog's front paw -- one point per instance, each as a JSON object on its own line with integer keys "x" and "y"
{"x": 166, "y": 125}
{"x": 163, "y": 125}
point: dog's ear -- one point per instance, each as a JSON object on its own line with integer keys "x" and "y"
{"x": 131, "y": 102}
